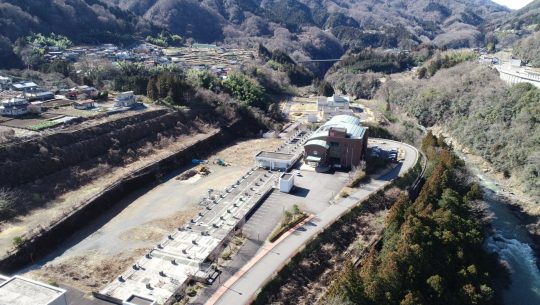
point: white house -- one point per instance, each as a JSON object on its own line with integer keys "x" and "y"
{"x": 275, "y": 160}
{"x": 14, "y": 107}
{"x": 25, "y": 86}
{"x": 125, "y": 99}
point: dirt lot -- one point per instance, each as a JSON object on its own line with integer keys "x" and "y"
{"x": 89, "y": 269}
{"x": 242, "y": 152}
{"x": 301, "y": 107}
{"x": 69, "y": 111}
{"x": 101, "y": 251}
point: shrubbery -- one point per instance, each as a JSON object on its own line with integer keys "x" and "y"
{"x": 245, "y": 90}
{"x": 164, "y": 39}
{"x": 527, "y": 49}
{"x": 374, "y": 61}
{"x": 445, "y": 60}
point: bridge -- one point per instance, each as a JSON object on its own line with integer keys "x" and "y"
{"x": 318, "y": 60}
{"x": 516, "y": 75}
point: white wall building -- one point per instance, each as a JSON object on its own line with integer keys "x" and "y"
{"x": 125, "y": 99}
{"x": 14, "y": 107}
{"x": 275, "y": 160}
{"x": 21, "y": 291}
{"x": 332, "y": 106}
{"x": 286, "y": 182}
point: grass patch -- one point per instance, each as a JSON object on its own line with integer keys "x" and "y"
{"x": 289, "y": 219}
{"x": 44, "y": 125}
{"x": 18, "y": 241}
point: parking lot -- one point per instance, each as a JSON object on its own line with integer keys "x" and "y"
{"x": 312, "y": 194}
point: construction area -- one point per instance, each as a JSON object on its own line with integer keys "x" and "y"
{"x": 103, "y": 250}
{"x": 188, "y": 253}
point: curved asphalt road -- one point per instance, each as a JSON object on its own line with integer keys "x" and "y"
{"x": 243, "y": 289}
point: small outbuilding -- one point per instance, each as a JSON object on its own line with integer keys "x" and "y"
{"x": 275, "y": 160}
{"x": 286, "y": 182}
{"x": 84, "y": 104}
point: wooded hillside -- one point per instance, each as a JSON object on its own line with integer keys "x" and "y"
{"x": 494, "y": 120}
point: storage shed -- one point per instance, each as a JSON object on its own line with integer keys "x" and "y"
{"x": 286, "y": 182}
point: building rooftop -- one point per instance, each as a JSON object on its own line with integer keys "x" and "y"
{"x": 317, "y": 143}
{"x": 275, "y": 155}
{"x": 21, "y": 291}
{"x": 286, "y": 176}
{"x": 14, "y": 102}
{"x": 344, "y": 119}
{"x": 338, "y": 99}
{"x": 24, "y": 85}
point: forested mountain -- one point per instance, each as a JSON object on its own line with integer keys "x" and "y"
{"x": 495, "y": 121}
{"x": 88, "y": 21}
{"x": 312, "y": 28}
{"x": 523, "y": 19}
{"x": 393, "y": 23}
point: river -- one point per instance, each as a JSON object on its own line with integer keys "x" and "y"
{"x": 512, "y": 243}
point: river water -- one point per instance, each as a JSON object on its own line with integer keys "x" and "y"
{"x": 512, "y": 242}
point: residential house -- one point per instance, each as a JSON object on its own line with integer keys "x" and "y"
{"x": 25, "y": 86}
{"x": 125, "y": 99}
{"x": 37, "y": 95}
{"x": 84, "y": 104}
{"x": 14, "y": 107}
{"x": 81, "y": 92}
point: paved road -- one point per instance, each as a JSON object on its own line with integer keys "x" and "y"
{"x": 244, "y": 290}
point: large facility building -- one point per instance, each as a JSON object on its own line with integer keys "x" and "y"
{"x": 333, "y": 106}
{"x": 341, "y": 141}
